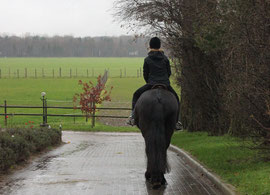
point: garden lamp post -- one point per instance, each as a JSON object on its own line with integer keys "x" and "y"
{"x": 43, "y": 98}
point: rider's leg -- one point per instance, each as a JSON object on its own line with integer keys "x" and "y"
{"x": 138, "y": 93}
{"x": 135, "y": 98}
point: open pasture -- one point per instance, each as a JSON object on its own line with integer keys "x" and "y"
{"x": 60, "y": 91}
{"x": 69, "y": 67}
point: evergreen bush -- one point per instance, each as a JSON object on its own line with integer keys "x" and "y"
{"x": 16, "y": 145}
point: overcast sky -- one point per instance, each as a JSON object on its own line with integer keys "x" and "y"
{"x": 58, "y": 17}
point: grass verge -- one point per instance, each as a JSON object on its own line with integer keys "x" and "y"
{"x": 99, "y": 127}
{"x": 227, "y": 157}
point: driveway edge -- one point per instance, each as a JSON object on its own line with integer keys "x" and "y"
{"x": 226, "y": 189}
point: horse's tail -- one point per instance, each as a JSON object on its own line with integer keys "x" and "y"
{"x": 156, "y": 149}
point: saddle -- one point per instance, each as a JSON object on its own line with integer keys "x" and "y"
{"x": 159, "y": 86}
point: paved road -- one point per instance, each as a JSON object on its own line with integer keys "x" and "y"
{"x": 101, "y": 164}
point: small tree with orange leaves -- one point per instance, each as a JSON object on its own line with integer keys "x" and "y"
{"x": 91, "y": 96}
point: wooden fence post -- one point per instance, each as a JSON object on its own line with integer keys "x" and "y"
{"x": 5, "y": 113}
{"x": 44, "y": 115}
{"x": 60, "y": 73}
{"x": 35, "y": 73}
{"x": 93, "y": 116}
{"x": 46, "y": 112}
{"x": 70, "y": 73}
{"x": 120, "y": 73}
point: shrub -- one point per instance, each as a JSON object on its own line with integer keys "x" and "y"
{"x": 7, "y": 158}
{"x": 17, "y": 145}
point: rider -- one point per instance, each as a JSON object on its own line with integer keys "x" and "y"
{"x": 156, "y": 70}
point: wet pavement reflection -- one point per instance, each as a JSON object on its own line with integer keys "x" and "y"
{"x": 101, "y": 164}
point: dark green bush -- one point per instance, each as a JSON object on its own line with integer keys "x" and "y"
{"x": 7, "y": 158}
{"x": 17, "y": 145}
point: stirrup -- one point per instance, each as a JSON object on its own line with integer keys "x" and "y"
{"x": 131, "y": 121}
{"x": 178, "y": 126}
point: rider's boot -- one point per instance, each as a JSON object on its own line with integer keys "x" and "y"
{"x": 131, "y": 120}
{"x": 178, "y": 126}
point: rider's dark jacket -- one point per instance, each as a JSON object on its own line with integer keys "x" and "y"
{"x": 156, "y": 68}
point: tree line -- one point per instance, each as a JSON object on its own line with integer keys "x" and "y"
{"x": 221, "y": 52}
{"x": 69, "y": 46}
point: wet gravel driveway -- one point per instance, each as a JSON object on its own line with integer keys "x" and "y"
{"x": 101, "y": 164}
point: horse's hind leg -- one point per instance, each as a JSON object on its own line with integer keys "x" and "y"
{"x": 163, "y": 180}
{"x": 147, "y": 175}
{"x": 158, "y": 180}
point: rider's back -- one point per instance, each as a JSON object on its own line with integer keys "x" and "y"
{"x": 157, "y": 68}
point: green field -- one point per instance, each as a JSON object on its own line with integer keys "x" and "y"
{"x": 224, "y": 155}
{"x": 70, "y": 67}
{"x": 60, "y": 91}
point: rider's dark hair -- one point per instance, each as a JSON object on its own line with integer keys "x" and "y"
{"x": 155, "y": 43}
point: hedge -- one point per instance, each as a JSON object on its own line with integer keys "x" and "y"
{"x": 16, "y": 145}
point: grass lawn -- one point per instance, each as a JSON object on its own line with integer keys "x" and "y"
{"x": 99, "y": 128}
{"x": 26, "y": 91}
{"x": 59, "y": 93}
{"x": 227, "y": 157}
{"x": 95, "y": 66}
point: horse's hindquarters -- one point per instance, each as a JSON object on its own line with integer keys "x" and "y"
{"x": 155, "y": 114}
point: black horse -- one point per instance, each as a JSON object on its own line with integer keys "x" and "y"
{"x": 156, "y": 116}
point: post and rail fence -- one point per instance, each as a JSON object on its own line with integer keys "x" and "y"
{"x": 45, "y": 114}
{"x": 66, "y": 73}
{"x": 45, "y": 108}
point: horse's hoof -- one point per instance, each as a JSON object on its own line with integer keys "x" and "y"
{"x": 156, "y": 185}
{"x": 147, "y": 176}
{"x": 163, "y": 182}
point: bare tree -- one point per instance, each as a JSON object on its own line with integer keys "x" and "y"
{"x": 221, "y": 52}
{"x": 178, "y": 21}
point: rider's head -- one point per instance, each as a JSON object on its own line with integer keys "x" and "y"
{"x": 155, "y": 43}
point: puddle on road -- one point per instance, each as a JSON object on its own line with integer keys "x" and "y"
{"x": 66, "y": 181}
{"x": 42, "y": 164}
{"x": 82, "y": 146}
{"x": 7, "y": 186}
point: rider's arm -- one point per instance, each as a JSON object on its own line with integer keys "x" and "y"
{"x": 145, "y": 71}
